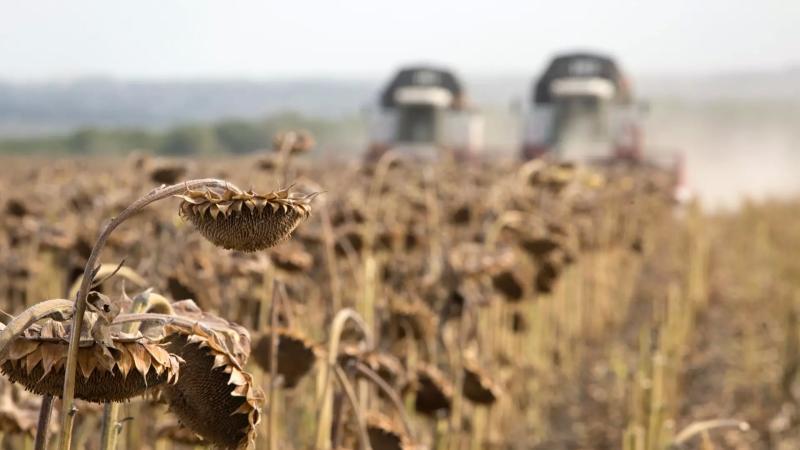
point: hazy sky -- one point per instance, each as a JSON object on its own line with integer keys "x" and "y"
{"x": 345, "y": 38}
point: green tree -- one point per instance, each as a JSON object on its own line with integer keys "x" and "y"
{"x": 189, "y": 140}
{"x": 239, "y": 136}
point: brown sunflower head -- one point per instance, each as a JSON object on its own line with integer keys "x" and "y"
{"x": 385, "y": 434}
{"x": 411, "y": 318}
{"x": 508, "y": 284}
{"x": 246, "y": 221}
{"x": 217, "y": 398}
{"x": 17, "y": 207}
{"x": 296, "y": 141}
{"x": 167, "y": 172}
{"x": 434, "y": 393}
{"x": 292, "y": 258}
{"x": 462, "y": 215}
{"x": 547, "y": 275}
{"x": 478, "y": 387}
{"x": 112, "y": 366}
{"x": 296, "y": 355}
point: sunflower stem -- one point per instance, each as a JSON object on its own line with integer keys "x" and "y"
{"x": 273, "y": 371}
{"x": 284, "y": 155}
{"x": 67, "y": 413}
{"x": 350, "y": 393}
{"x": 43, "y": 426}
{"x": 366, "y": 371}
{"x": 325, "y": 378}
{"x": 108, "y": 429}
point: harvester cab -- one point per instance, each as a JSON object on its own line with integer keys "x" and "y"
{"x": 423, "y": 113}
{"x": 582, "y": 109}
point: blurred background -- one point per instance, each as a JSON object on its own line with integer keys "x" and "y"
{"x": 572, "y": 307}
{"x": 718, "y": 81}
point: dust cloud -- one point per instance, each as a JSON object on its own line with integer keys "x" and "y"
{"x": 732, "y": 150}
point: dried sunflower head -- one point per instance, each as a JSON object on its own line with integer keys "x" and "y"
{"x": 540, "y": 247}
{"x": 385, "y": 434}
{"x": 292, "y": 258}
{"x": 508, "y": 284}
{"x": 268, "y": 162}
{"x": 112, "y": 366}
{"x": 166, "y": 172}
{"x": 296, "y": 355}
{"x": 411, "y": 316}
{"x": 246, "y": 221}
{"x": 548, "y": 273}
{"x": 298, "y": 141}
{"x": 217, "y": 398}
{"x": 434, "y": 393}
{"x": 462, "y": 215}
{"x": 17, "y": 207}
{"x": 478, "y": 387}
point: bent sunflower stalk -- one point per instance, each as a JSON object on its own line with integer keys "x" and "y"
{"x": 253, "y": 222}
{"x": 68, "y": 396}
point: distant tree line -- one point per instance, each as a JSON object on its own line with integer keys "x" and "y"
{"x": 226, "y": 136}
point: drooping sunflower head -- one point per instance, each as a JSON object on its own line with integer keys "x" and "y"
{"x": 113, "y": 369}
{"x": 245, "y": 221}
{"x": 216, "y": 399}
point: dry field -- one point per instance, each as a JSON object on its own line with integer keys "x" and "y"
{"x": 501, "y": 306}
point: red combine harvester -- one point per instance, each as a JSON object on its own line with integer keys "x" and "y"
{"x": 583, "y": 109}
{"x": 423, "y": 113}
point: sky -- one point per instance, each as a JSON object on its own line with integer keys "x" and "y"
{"x": 169, "y": 39}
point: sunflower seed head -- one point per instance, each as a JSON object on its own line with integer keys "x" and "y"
{"x": 245, "y": 221}
{"x": 216, "y": 398}
{"x": 105, "y": 374}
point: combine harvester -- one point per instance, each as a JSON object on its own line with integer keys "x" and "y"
{"x": 423, "y": 113}
{"x": 583, "y": 110}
